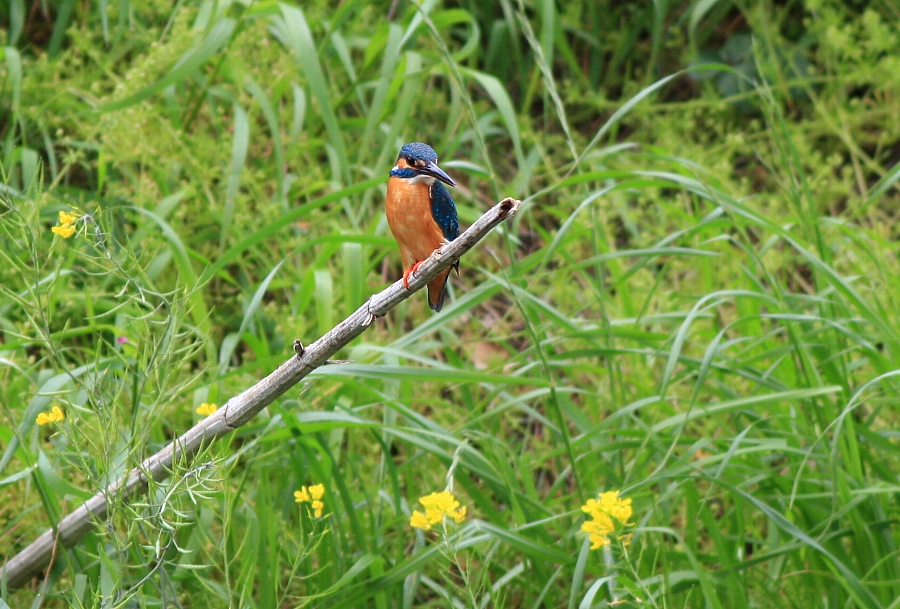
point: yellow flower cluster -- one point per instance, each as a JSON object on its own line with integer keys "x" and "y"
{"x": 66, "y": 226}
{"x": 206, "y": 409}
{"x": 602, "y": 511}
{"x": 437, "y": 505}
{"x": 312, "y": 495}
{"x": 55, "y": 415}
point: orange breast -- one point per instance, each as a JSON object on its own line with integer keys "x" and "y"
{"x": 408, "y": 210}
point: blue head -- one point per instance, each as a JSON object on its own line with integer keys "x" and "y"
{"x": 418, "y": 161}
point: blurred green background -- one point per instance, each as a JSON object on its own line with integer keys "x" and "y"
{"x": 696, "y": 305}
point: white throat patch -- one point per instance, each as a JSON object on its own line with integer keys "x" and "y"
{"x": 422, "y": 179}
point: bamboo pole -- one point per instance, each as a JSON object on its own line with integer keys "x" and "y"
{"x": 242, "y": 408}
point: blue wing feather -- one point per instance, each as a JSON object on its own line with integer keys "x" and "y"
{"x": 443, "y": 210}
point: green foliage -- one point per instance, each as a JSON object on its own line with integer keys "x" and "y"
{"x": 696, "y": 306}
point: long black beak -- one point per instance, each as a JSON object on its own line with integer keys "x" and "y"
{"x": 431, "y": 169}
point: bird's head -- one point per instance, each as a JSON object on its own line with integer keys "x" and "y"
{"x": 417, "y": 162}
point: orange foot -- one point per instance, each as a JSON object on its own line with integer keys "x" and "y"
{"x": 409, "y": 272}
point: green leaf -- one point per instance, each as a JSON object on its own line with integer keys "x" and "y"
{"x": 298, "y": 38}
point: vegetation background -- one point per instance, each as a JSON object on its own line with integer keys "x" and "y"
{"x": 697, "y": 305}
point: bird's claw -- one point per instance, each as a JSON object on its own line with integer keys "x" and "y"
{"x": 408, "y": 272}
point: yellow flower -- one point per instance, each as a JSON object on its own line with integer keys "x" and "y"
{"x": 420, "y": 521}
{"x": 66, "y": 226}
{"x": 603, "y": 525}
{"x": 55, "y": 415}
{"x": 437, "y": 506}
{"x": 609, "y": 503}
{"x": 458, "y": 515}
{"x": 622, "y": 511}
{"x": 444, "y": 501}
{"x": 65, "y": 231}
{"x": 602, "y": 511}
{"x": 67, "y": 218}
{"x": 591, "y": 506}
{"x": 426, "y": 520}
{"x": 312, "y": 495}
{"x": 598, "y": 530}
{"x": 206, "y": 409}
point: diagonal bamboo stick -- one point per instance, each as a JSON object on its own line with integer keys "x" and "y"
{"x": 240, "y": 409}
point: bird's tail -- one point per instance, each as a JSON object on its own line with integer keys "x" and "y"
{"x": 437, "y": 289}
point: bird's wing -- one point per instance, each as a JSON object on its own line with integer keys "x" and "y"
{"x": 443, "y": 210}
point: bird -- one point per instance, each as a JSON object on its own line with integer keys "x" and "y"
{"x": 421, "y": 213}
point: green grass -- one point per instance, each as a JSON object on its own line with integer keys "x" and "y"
{"x": 696, "y": 305}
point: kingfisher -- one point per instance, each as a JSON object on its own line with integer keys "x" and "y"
{"x": 421, "y": 213}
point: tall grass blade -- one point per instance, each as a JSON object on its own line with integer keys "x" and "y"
{"x": 298, "y": 38}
